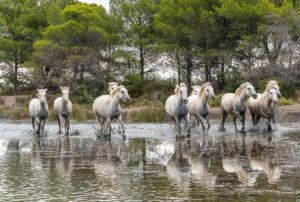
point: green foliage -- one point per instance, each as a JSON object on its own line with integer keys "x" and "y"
{"x": 134, "y": 84}
{"x": 287, "y": 90}
{"x": 216, "y": 102}
{"x": 232, "y": 85}
{"x": 285, "y": 101}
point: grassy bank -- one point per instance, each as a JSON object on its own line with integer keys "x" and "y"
{"x": 17, "y": 109}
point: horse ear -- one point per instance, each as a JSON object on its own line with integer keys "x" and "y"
{"x": 68, "y": 88}
{"x": 45, "y": 89}
{"x": 176, "y": 88}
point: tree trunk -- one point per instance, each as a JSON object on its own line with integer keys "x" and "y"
{"x": 16, "y": 76}
{"x": 142, "y": 62}
{"x": 189, "y": 66}
{"x": 207, "y": 71}
{"x": 222, "y": 74}
{"x": 178, "y": 68}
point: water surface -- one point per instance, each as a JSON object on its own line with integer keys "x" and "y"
{"x": 149, "y": 165}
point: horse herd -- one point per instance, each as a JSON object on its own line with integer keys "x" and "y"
{"x": 178, "y": 106}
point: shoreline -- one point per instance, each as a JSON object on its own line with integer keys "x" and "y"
{"x": 287, "y": 113}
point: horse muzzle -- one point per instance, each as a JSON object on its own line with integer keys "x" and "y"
{"x": 254, "y": 96}
{"x": 213, "y": 97}
{"x": 185, "y": 101}
{"x": 279, "y": 95}
{"x": 127, "y": 100}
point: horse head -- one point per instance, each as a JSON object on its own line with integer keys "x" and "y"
{"x": 65, "y": 93}
{"x": 123, "y": 94}
{"x": 196, "y": 90}
{"x": 274, "y": 84}
{"x": 248, "y": 88}
{"x": 181, "y": 92}
{"x": 209, "y": 90}
{"x": 272, "y": 94}
{"x": 112, "y": 87}
{"x": 42, "y": 95}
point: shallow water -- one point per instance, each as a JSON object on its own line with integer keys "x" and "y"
{"x": 149, "y": 165}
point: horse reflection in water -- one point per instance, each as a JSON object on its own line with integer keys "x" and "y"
{"x": 262, "y": 160}
{"x": 191, "y": 162}
{"x": 235, "y": 161}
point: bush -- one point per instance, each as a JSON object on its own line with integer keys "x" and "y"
{"x": 287, "y": 90}
{"x": 134, "y": 84}
{"x": 285, "y": 101}
{"x": 87, "y": 91}
{"x": 19, "y": 113}
{"x": 232, "y": 85}
{"x": 216, "y": 102}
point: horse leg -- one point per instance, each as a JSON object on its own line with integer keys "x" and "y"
{"x": 224, "y": 116}
{"x": 187, "y": 123}
{"x": 242, "y": 119}
{"x": 234, "y": 123}
{"x": 177, "y": 124}
{"x": 33, "y": 124}
{"x": 59, "y": 124}
{"x": 208, "y": 123}
{"x": 67, "y": 125}
{"x": 199, "y": 119}
{"x": 253, "y": 118}
{"x": 38, "y": 126}
{"x": 120, "y": 122}
{"x": 243, "y": 123}
{"x": 257, "y": 119}
{"x": 108, "y": 126}
{"x": 273, "y": 118}
{"x": 269, "y": 123}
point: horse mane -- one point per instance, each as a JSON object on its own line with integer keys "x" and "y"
{"x": 240, "y": 89}
{"x": 179, "y": 86}
{"x": 271, "y": 84}
{"x": 110, "y": 87}
{"x": 202, "y": 87}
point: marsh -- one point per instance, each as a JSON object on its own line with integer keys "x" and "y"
{"x": 151, "y": 164}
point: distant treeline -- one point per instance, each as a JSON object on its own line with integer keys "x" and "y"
{"x": 49, "y": 43}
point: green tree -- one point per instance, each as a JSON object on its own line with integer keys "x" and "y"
{"x": 138, "y": 31}
{"x": 21, "y": 24}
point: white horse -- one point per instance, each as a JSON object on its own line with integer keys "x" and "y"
{"x": 63, "y": 108}
{"x": 263, "y": 160}
{"x": 197, "y": 104}
{"x": 176, "y": 106}
{"x": 234, "y": 103}
{"x": 38, "y": 110}
{"x": 263, "y": 106}
{"x": 107, "y": 107}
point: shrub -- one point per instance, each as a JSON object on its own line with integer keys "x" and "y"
{"x": 232, "y": 85}
{"x": 134, "y": 84}
{"x": 285, "y": 101}
{"x": 216, "y": 102}
{"x": 19, "y": 113}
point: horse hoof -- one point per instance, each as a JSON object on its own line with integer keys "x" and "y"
{"x": 222, "y": 129}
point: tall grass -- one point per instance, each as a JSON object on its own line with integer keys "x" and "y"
{"x": 82, "y": 112}
{"x": 146, "y": 115}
